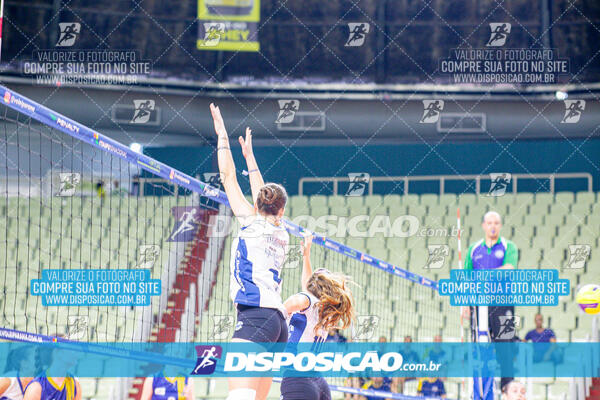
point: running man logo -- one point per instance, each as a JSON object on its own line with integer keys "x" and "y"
{"x": 213, "y": 179}
{"x": 142, "y": 111}
{"x": 500, "y": 31}
{"x": 358, "y": 183}
{"x": 578, "y": 255}
{"x": 293, "y": 257}
{"x": 508, "y": 327}
{"x": 69, "y": 31}
{"x": 213, "y": 31}
{"x": 365, "y": 327}
{"x": 223, "y": 325}
{"x": 573, "y": 111}
{"x": 77, "y": 326}
{"x": 431, "y": 111}
{"x": 357, "y": 33}
{"x": 149, "y": 254}
{"x": 437, "y": 256}
{"x": 186, "y": 224}
{"x": 287, "y": 111}
{"x": 499, "y": 184}
{"x": 207, "y": 359}
{"x": 68, "y": 183}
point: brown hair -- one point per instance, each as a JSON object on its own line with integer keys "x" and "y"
{"x": 271, "y": 198}
{"x": 336, "y": 304}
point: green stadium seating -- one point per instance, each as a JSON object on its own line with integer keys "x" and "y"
{"x": 542, "y": 225}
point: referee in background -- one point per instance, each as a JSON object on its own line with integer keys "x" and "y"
{"x": 495, "y": 252}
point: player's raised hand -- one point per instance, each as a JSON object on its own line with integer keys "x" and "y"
{"x": 218, "y": 120}
{"x": 306, "y": 243}
{"x": 247, "y": 143}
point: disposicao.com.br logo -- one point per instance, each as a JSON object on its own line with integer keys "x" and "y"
{"x": 322, "y": 362}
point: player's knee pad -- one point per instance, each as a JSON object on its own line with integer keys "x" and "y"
{"x": 242, "y": 394}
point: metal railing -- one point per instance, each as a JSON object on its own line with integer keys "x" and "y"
{"x": 442, "y": 179}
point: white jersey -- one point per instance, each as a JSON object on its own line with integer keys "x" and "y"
{"x": 301, "y": 327}
{"x": 258, "y": 254}
{"x": 14, "y": 391}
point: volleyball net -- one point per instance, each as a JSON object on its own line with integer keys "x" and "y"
{"x": 80, "y": 211}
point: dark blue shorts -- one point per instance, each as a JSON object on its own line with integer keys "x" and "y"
{"x": 305, "y": 389}
{"x": 260, "y": 325}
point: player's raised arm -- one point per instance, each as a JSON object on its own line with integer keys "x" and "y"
{"x": 256, "y": 179}
{"x": 306, "y": 266}
{"x": 147, "y": 389}
{"x": 240, "y": 206}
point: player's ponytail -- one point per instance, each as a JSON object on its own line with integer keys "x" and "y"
{"x": 271, "y": 198}
{"x": 336, "y": 304}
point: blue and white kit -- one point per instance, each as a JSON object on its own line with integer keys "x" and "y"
{"x": 258, "y": 254}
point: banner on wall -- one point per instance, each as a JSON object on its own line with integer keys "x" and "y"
{"x": 228, "y": 25}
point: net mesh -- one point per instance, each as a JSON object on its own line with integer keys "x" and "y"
{"x": 69, "y": 205}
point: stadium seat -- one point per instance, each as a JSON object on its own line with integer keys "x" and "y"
{"x": 336, "y": 201}
{"x": 565, "y": 198}
{"x": 374, "y": 202}
{"x": 586, "y": 197}
{"x": 318, "y": 201}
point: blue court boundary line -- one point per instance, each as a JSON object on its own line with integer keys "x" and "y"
{"x": 81, "y": 132}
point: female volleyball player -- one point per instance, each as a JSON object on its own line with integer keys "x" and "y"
{"x": 325, "y": 302}
{"x": 257, "y": 256}
{"x": 161, "y": 387}
{"x": 44, "y": 387}
{"x": 20, "y": 361}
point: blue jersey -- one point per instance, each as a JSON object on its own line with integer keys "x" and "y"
{"x": 52, "y": 391}
{"x": 164, "y": 388}
{"x": 431, "y": 387}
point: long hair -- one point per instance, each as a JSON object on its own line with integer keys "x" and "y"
{"x": 336, "y": 304}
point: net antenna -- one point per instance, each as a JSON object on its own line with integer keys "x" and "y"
{"x": 460, "y": 266}
{"x": 1, "y": 20}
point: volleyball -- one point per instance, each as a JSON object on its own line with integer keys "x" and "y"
{"x": 588, "y": 298}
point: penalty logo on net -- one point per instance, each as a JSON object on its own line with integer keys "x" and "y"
{"x": 287, "y": 111}
{"x": 223, "y": 325}
{"x": 437, "y": 255}
{"x": 431, "y": 111}
{"x": 578, "y": 255}
{"x": 149, "y": 254}
{"x": 68, "y": 183}
{"x": 142, "y": 111}
{"x": 77, "y": 326}
{"x": 573, "y": 111}
{"x": 358, "y": 183}
{"x": 357, "y": 33}
{"x": 69, "y": 31}
{"x": 186, "y": 225}
{"x": 208, "y": 357}
{"x": 499, "y": 184}
{"x": 215, "y": 183}
{"x": 499, "y": 34}
{"x": 213, "y": 31}
{"x": 293, "y": 257}
{"x": 365, "y": 327}
{"x": 508, "y": 327}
